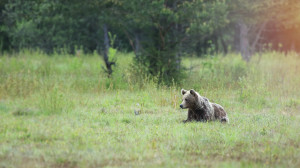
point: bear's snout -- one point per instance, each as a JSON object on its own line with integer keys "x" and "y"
{"x": 181, "y": 106}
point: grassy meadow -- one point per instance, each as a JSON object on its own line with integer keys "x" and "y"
{"x": 63, "y": 111}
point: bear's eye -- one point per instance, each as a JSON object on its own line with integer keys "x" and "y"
{"x": 186, "y": 99}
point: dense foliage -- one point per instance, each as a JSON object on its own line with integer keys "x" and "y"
{"x": 160, "y": 32}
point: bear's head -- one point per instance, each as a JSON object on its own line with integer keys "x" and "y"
{"x": 190, "y": 99}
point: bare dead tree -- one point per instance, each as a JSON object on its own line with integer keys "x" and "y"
{"x": 244, "y": 41}
{"x": 108, "y": 63}
{"x": 248, "y": 48}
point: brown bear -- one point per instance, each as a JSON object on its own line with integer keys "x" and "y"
{"x": 201, "y": 109}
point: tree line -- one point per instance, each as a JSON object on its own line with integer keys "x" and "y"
{"x": 159, "y": 32}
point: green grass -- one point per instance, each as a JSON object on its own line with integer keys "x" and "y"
{"x": 62, "y": 111}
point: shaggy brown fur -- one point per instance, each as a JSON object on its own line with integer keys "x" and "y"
{"x": 201, "y": 109}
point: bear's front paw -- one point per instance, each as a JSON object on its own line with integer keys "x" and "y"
{"x": 185, "y": 121}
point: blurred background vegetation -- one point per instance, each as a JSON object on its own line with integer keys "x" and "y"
{"x": 97, "y": 83}
{"x": 159, "y": 32}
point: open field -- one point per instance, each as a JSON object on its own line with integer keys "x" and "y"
{"x": 62, "y": 111}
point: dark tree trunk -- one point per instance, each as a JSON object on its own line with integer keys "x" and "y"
{"x": 225, "y": 49}
{"x": 215, "y": 42}
{"x": 237, "y": 38}
{"x": 179, "y": 48}
{"x": 137, "y": 44}
{"x": 108, "y": 64}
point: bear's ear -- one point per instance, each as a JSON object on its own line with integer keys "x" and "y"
{"x": 193, "y": 92}
{"x": 183, "y": 91}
